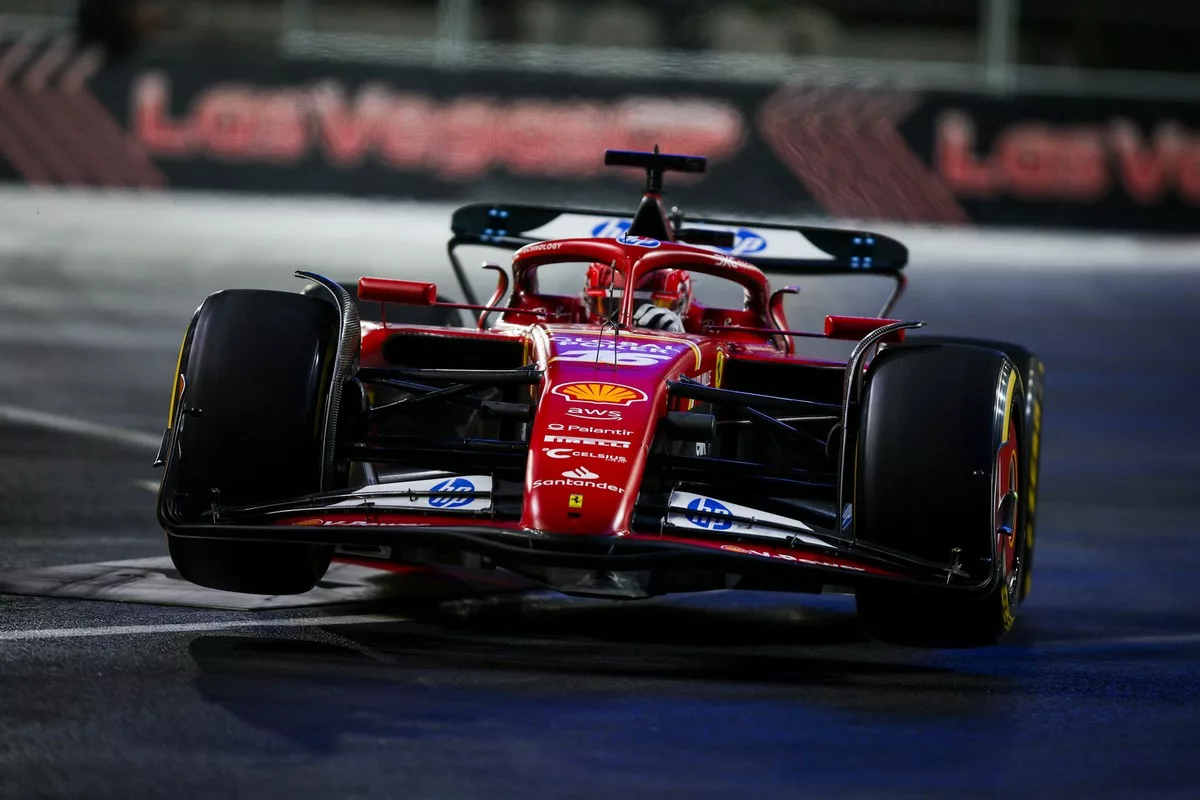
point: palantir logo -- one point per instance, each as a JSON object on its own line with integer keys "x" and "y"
{"x": 715, "y": 523}
{"x": 461, "y": 490}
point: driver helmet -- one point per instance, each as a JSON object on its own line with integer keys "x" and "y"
{"x": 670, "y": 289}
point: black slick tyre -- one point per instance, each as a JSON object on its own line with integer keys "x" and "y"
{"x": 937, "y": 476}
{"x": 256, "y": 369}
{"x": 1033, "y": 379}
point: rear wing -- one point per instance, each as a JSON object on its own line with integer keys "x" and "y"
{"x": 825, "y": 251}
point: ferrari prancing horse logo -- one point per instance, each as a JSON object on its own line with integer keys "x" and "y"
{"x": 613, "y": 394}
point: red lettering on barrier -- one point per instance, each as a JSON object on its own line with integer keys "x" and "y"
{"x": 282, "y": 134}
{"x": 1085, "y": 174}
{"x": 1144, "y": 171}
{"x": 348, "y": 133}
{"x": 1035, "y": 161}
{"x": 228, "y": 122}
{"x": 1038, "y": 162}
{"x": 680, "y": 126}
{"x": 404, "y": 137}
{"x": 225, "y": 121}
{"x": 152, "y": 123}
{"x": 954, "y": 159}
{"x": 1189, "y": 174}
{"x": 581, "y": 136}
{"x": 1025, "y": 156}
{"x": 463, "y": 138}
{"x": 526, "y": 135}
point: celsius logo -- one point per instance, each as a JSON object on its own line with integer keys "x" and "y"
{"x": 711, "y": 518}
{"x": 745, "y": 241}
{"x": 567, "y": 452}
{"x": 638, "y": 241}
{"x": 459, "y": 492}
{"x": 582, "y": 473}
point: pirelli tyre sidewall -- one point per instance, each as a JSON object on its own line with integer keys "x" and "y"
{"x": 1033, "y": 378}
{"x": 939, "y": 449}
{"x": 256, "y": 367}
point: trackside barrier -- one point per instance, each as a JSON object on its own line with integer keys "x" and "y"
{"x": 196, "y": 121}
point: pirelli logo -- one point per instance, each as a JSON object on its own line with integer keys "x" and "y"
{"x": 587, "y": 441}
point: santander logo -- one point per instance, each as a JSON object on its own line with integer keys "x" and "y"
{"x": 582, "y": 473}
{"x": 581, "y": 477}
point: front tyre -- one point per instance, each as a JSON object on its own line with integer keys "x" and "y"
{"x": 256, "y": 368}
{"x": 938, "y": 477}
{"x": 1033, "y": 378}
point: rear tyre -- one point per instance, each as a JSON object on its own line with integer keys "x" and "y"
{"x": 256, "y": 375}
{"x": 939, "y": 454}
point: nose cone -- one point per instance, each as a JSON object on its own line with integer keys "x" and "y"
{"x": 595, "y": 423}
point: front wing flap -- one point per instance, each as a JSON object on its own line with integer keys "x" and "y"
{"x": 507, "y": 545}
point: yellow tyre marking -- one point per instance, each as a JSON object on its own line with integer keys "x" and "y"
{"x": 175, "y": 383}
{"x": 1012, "y": 385}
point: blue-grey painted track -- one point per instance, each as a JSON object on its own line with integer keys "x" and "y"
{"x": 1095, "y": 694}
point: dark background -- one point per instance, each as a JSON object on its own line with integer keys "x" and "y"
{"x": 841, "y": 127}
{"x": 822, "y": 88}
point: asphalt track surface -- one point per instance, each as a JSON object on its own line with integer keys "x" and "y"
{"x": 1093, "y": 695}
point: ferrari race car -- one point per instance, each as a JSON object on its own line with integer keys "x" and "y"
{"x": 621, "y": 440}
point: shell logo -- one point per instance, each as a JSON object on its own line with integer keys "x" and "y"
{"x": 613, "y": 394}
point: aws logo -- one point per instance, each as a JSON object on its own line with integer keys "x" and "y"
{"x": 602, "y": 414}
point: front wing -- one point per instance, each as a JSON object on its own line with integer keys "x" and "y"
{"x": 777, "y": 566}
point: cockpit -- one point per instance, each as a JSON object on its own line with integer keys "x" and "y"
{"x": 675, "y": 289}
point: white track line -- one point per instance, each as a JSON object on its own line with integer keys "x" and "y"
{"x": 197, "y": 627}
{"x": 80, "y": 427}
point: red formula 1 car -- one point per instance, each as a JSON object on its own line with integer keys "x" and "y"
{"x": 621, "y": 439}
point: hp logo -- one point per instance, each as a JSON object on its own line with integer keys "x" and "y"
{"x": 611, "y": 229}
{"x": 638, "y": 241}
{"x": 463, "y": 493}
{"x": 712, "y": 523}
{"x": 745, "y": 242}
